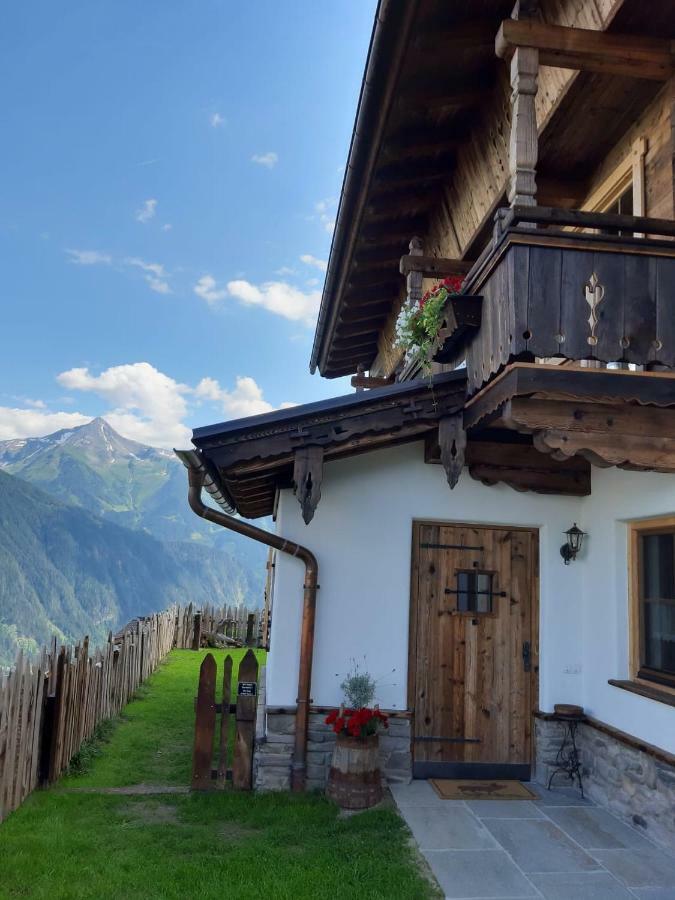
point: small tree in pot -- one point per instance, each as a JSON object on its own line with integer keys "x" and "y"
{"x": 355, "y": 781}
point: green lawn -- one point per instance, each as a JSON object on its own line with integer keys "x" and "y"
{"x": 217, "y": 845}
{"x": 153, "y": 744}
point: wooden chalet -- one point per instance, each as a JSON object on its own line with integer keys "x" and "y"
{"x": 530, "y": 150}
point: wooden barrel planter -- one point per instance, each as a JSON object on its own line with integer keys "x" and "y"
{"x": 355, "y": 781}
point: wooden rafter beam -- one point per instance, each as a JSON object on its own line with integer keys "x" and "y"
{"x": 470, "y": 36}
{"x": 387, "y": 231}
{"x": 354, "y": 315}
{"x": 367, "y": 382}
{"x": 444, "y": 95}
{"x": 355, "y": 344}
{"x": 385, "y": 202}
{"x": 365, "y": 328}
{"x": 585, "y": 49}
{"x": 376, "y": 258}
{"x": 421, "y": 141}
{"x": 434, "y": 266}
{"x": 426, "y": 170}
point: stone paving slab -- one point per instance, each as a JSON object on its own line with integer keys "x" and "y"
{"x": 580, "y": 886}
{"x": 546, "y": 848}
{"x": 654, "y": 893}
{"x": 420, "y": 793}
{"x": 504, "y": 809}
{"x": 540, "y": 846}
{"x": 639, "y": 868}
{"x": 558, "y": 796}
{"x": 596, "y": 829}
{"x": 435, "y": 828}
{"x": 482, "y": 875}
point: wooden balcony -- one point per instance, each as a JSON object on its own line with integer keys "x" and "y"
{"x": 588, "y": 287}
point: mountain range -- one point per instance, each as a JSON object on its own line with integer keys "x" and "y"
{"x": 95, "y": 529}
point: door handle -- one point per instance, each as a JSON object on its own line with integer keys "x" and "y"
{"x": 527, "y": 657}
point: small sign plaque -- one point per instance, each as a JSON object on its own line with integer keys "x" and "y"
{"x": 247, "y": 689}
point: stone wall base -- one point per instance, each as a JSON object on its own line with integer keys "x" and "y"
{"x": 632, "y": 784}
{"x": 274, "y": 749}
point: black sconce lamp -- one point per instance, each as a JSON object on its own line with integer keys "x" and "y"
{"x": 575, "y": 538}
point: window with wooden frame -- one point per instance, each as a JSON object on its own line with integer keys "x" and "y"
{"x": 652, "y": 577}
{"x": 623, "y": 191}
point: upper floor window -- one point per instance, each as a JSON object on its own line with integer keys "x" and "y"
{"x": 653, "y": 588}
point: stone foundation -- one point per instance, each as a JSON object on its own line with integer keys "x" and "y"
{"x": 274, "y": 750}
{"x": 633, "y": 784}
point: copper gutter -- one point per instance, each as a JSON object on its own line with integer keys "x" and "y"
{"x": 197, "y": 476}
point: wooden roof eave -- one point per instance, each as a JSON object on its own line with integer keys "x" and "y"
{"x": 254, "y": 457}
{"x": 393, "y": 21}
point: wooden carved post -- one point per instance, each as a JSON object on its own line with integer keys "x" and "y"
{"x": 221, "y": 774}
{"x": 307, "y": 476}
{"x": 413, "y": 282}
{"x": 524, "y": 143}
{"x": 247, "y": 701}
{"x": 452, "y": 441}
{"x": 205, "y": 726}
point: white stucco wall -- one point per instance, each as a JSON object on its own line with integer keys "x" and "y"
{"x": 362, "y": 534}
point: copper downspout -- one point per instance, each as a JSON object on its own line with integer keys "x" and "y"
{"x": 196, "y": 482}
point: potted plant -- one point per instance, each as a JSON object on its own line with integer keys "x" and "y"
{"x": 418, "y": 324}
{"x": 355, "y": 781}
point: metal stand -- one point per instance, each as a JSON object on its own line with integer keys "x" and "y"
{"x": 567, "y": 760}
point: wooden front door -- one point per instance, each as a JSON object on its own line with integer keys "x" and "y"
{"x": 473, "y": 650}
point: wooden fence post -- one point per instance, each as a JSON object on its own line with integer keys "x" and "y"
{"x": 205, "y": 726}
{"x": 250, "y": 628}
{"x": 247, "y": 700}
{"x": 197, "y": 633}
{"x": 221, "y": 775}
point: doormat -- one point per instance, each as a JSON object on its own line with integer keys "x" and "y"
{"x": 459, "y": 789}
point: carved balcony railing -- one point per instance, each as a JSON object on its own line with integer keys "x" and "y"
{"x": 550, "y": 289}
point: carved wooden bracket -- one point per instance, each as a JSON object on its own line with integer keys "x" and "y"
{"x": 629, "y": 436}
{"x": 452, "y": 442}
{"x": 307, "y": 477}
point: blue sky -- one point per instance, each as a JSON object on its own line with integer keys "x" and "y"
{"x": 170, "y": 173}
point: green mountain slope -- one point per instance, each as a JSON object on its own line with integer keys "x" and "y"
{"x": 66, "y": 571}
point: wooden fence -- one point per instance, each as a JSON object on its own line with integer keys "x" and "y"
{"x": 206, "y": 776}
{"x": 51, "y": 704}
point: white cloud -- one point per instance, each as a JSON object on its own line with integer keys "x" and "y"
{"x": 146, "y": 404}
{"x": 139, "y": 401}
{"x": 23, "y": 423}
{"x": 285, "y": 270}
{"x": 89, "y": 257}
{"x": 207, "y": 289}
{"x": 310, "y": 260}
{"x": 278, "y": 297}
{"x": 312, "y": 282}
{"x": 167, "y": 226}
{"x": 154, "y": 274}
{"x": 147, "y": 211}
{"x": 246, "y": 399}
{"x": 326, "y": 215}
{"x": 269, "y": 159}
{"x": 216, "y": 120}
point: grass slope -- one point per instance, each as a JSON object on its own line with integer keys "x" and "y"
{"x": 62, "y": 845}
